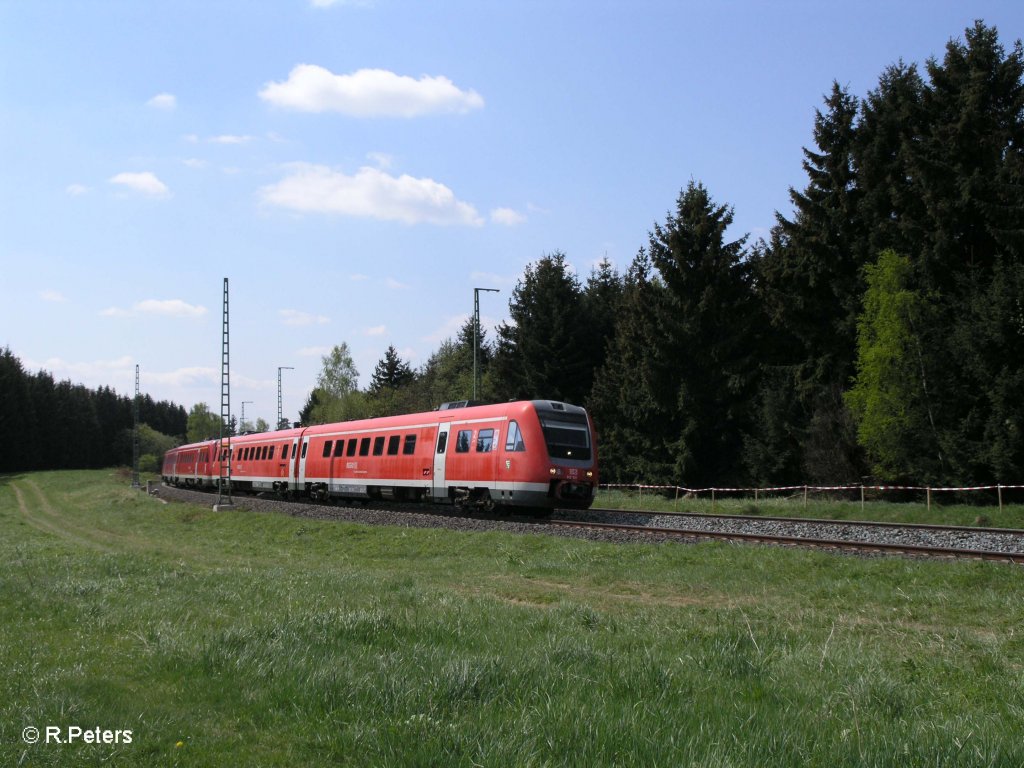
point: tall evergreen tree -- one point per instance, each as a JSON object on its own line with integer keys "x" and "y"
{"x": 708, "y": 336}
{"x": 391, "y": 372}
{"x": 634, "y": 423}
{"x": 967, "y": 159}
{"x": 17, "y": 414}
{"x": 543, "y": 350}
{"x": 808, "y": 280}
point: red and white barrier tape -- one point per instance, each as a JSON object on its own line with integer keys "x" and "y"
{"x": 778, "y": 489}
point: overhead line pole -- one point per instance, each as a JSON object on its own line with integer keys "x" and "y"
{"x": 135, "y": 433}
{"x": 280, "y": 410}
{"x": 476, "y": 329}
{"x": 224, "y": 485}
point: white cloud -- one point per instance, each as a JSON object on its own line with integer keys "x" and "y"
{"x": 85, "y": 372}
{"x": 229, "y": 138}
{"x": 296, "y": 317}
{"x": 51, "y": 295}
{"x": 163, "y": 101}
{"x": 381, "y": 159}
{"x": 377, "y": 330}
{"x": 369, "y": 193}
{"x": 164, "y": 307}
{"x": 329, "y": 3}
{"x": 145, "y": 183}
{"x": 396, "y": 285}
{"x": 183, "y": 377}
{"x": 76, "y": 190}
{"x": 368, "y": 93}
{"x": 195, "y": 162}
{"x": 507, "y": 216}
{"x": 169, "y": 307}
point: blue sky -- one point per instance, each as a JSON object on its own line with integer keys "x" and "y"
{"x": 357, "y": 168}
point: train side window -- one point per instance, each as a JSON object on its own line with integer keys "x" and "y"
{"x": 364, "y": 447}
{"x": 464, "y": 439}
{"x": 339, "y": 448}
{"x": 270, "y": 455}
{"x": 351, "y": 447}
{"x": 514, "y": 438}
{"x": 393, "y": 443}
{"x": 409, "y": 448}
{"x": 442, "y": 442}
{"x": 485, "y": 441}
{"x": 378, "y": 445}
{"x": 305, "y": 445}
{"x": 266, "y": 452}
{"x": 284, "y": 452}
{"x": 327, "y": 448}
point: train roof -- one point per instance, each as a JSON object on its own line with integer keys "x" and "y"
{"x": 453, "y": 411}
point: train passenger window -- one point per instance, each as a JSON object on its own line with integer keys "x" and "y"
{"x": 270, "y": 456}
{"x": 409, "y": 448}
{"x": 284, "y": 452}
{"x": 339, "y": 448}
{"x": 378, "y": 445}
{"x": 351, "y": 447}
{"x": 364, "y": 447}
{"x": 305, "y": 445}
{"x": 393, "y": 442}
{"x": 464, "y": 439}
{"x": 442, "y": 442}
{"x": 485, "y": 441}
{"x": 327, "y": 448}
{"x": 266, "y": 452}
{"x": 514, "y": 438}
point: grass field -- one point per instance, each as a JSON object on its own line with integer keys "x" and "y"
{"x": 238, "y": 638}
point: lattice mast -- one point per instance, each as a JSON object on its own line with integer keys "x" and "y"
{"x": 224, "y": 486}
{"x": 135, "y": 433}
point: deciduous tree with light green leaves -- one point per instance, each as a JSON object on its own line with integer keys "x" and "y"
{"x": 889, "y": 399}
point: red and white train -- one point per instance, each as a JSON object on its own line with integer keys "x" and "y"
{"x": 536, "y": 454}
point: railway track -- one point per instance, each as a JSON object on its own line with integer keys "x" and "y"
{"x": 915, "y": 539}
{"x": 1006, "y": 545}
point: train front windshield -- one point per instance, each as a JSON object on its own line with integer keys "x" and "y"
{"x": 567, "y": 439}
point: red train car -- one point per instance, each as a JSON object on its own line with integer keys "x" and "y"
{"x": 536, "y": 453}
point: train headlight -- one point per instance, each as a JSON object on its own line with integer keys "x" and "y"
{"x": 553, "y": 471}
{"x": 590, "y": 473}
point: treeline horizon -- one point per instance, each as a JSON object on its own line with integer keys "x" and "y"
{"x": 877, "y": 332}
{"x": 48, "y": 424}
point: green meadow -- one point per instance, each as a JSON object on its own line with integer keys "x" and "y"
{"x": 244, "y": 638}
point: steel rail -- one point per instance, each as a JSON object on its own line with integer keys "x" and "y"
{"x": 937, "y": 527}
{"x": 764, "y": 538}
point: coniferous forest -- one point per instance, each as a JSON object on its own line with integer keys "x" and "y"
{"x": 877, "y": 332}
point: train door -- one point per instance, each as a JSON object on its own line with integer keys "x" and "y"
{"x": 440, "y": 453}
{"x": 299, "y": 463}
